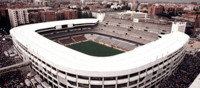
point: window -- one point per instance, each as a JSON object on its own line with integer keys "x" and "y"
{"x": 160, "y": 63}
{"x": 83, "y": 77}
{"x": 142, "y": 71}
{"x": 53, "y": 68}
{"x": 155, "y": 65}
{"x": 96, "y": 78}
{"x": 133, "y": 82}
{"x": 141, "y": 84}
{"x": 109, "y": 78}
{"x": 64, "y": 26}
{"x": 162, "y": 33}
{"x": 133, "y": 74}
{"x": 63, "y": 85}
{"x": 109, "y": 86}
{"x": 61, "y": 71}
{"x": 123, "y": 77}
{"x": 148, "y": 81}
{"x": 154, "y": 72}
{"x": 121, "y": 85}
{"x": 72, "y": 83}
{"x": 83, "y": 85}
{"x": 141, "y": 79}
{"x": 149, "y": 68}
{"x": 72, "y": 75}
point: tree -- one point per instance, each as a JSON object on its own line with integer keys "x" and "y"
{"x": 85, "y": 15}
{"x": 164, "y": 15}
{"x": 107, "y": 6}
{"x": 86, "y": 8}
{"x": 90, "y": 15}
{"x": 125, "y": 8}
{"x": 79, "y": 13}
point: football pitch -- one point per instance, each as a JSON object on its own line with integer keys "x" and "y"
{"x": 94, "y": 49}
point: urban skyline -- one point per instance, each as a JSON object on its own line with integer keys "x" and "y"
{"x": 174, "y": 1}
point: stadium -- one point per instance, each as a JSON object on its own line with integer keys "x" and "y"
{"x": 83, "y": 53}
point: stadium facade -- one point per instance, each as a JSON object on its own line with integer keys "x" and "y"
{"x": 144, "y": 66}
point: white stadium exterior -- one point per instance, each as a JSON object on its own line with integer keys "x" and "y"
{"x": 144, "y": 66}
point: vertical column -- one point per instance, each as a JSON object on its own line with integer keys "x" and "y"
{"x": 138, "y": 80}
{"x": 103, "y": 82}
{"x": 57, "y": 78}
{"x": 76, "y": 80}
{"x": 116, "y": 82}
{"x": 128, "y": 80}
{"x": 89, "y": 82}
{"x": 66, "y": 80}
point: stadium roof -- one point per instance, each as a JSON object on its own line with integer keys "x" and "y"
{"x": 70, "y": 60}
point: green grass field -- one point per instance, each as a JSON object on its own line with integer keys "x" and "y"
{"x": 94, "y": 49}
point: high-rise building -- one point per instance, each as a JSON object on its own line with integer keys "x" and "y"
{"x": 34, "y": 17}
{"x": 70, "y": 14}
{"x": 47, "y": 15}
{"x": 196, "y": 24}
{"x": 51, "y": 15}
{"x": 154, "y": 10}
{"x": 18, "y": 17}
{"x": 60, "y": 15}
{"x": 173, "y": 9}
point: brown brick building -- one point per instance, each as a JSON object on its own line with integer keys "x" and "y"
{"x": 94, "y": 7}
{"x": 154, "y": 10}
{"x": 34, "y": 17}
{"x": 3, "y": 11}
{"x": 50, "y": 15}
{"x": 70, "y": 14}
{"x": 60, "y": 15}
{"x": 173, "y": 9}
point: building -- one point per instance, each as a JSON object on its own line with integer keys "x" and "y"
{"x": 143, "y": 67}
{"x": 120, "y": 1}
{"x": 60, "y": 15}
{"x": 155, "y": 10}
{"x": 18, "y": 17}
{"x": 82, "y": 2}
{"x": 178, "y": 26}
{"x": 34, "y": 17}
{"x": 196, "y": 24}
{"x": 3, "y": 11}
{"x": 40, "y": 2}
{"x": 99, "y": 16}
{"x": 51, "y": 15}
{"x": 95, "y": 6}
{"x": 130, "y": 15}
{"x": 173, "y": 10}
{"x": 135, "y": 5}
{"x": 70, "y": 14}
{"x": 48, "y": 15}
